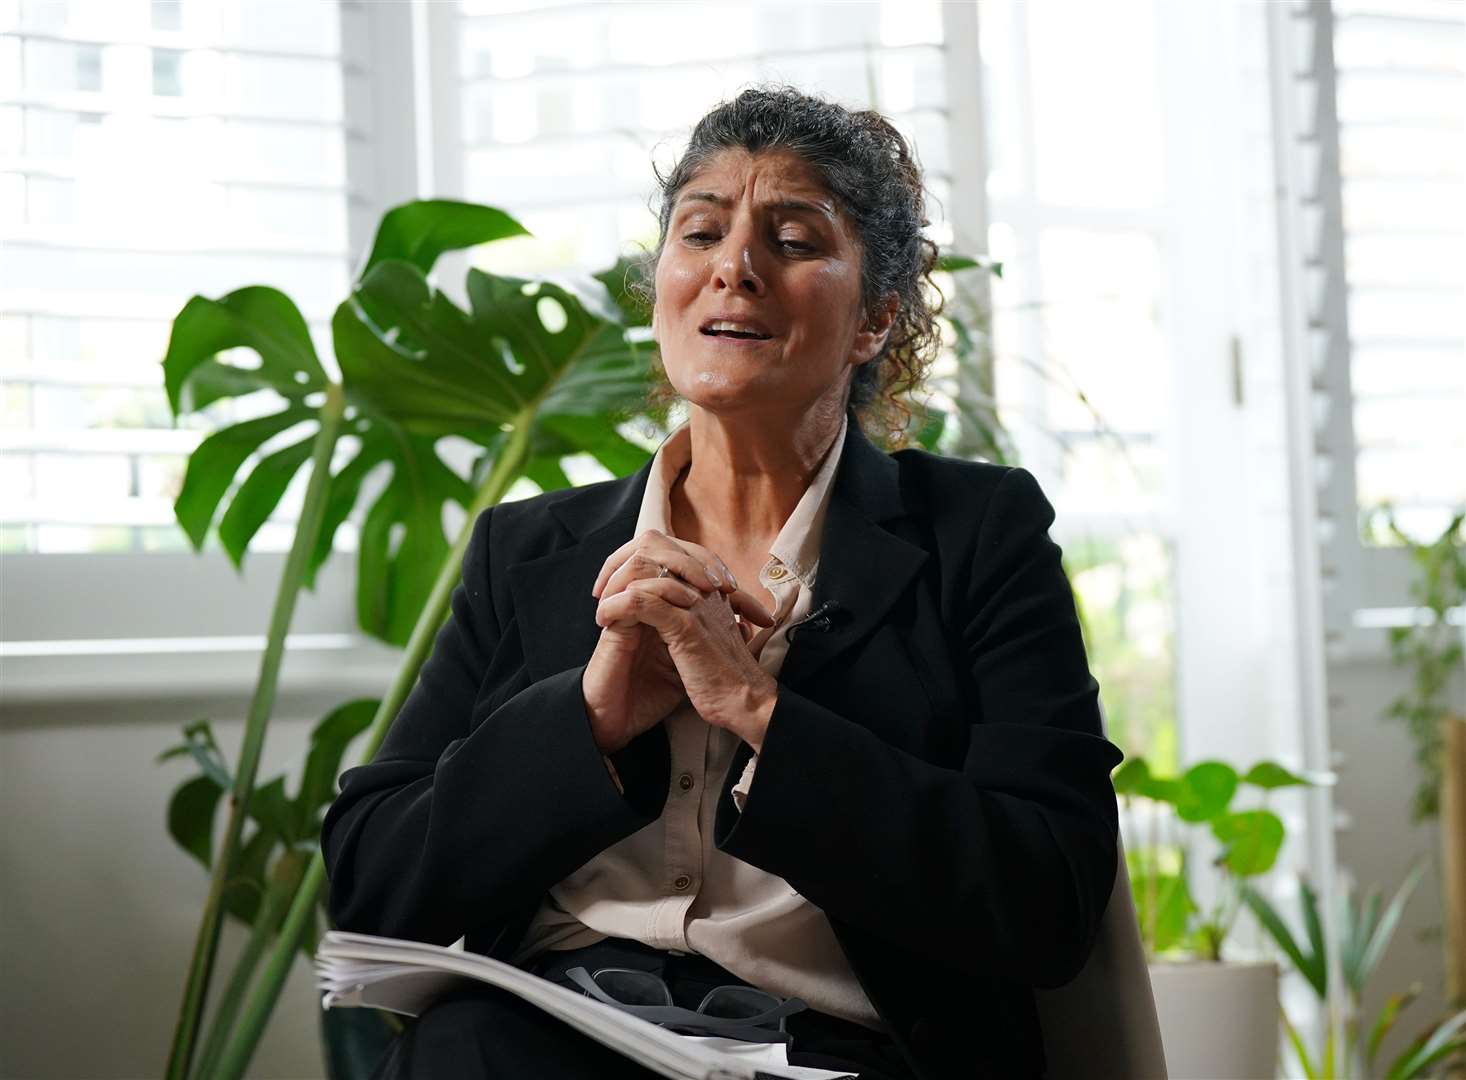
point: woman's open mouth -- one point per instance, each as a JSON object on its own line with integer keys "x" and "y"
{"x": 733, "y": 333}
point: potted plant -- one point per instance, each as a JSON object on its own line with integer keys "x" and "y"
{"x": 1436, "y": 725}
{"x": 1365, "y": 934}
{"x": 531, "y": 372}
{"x": 1218, "y": 1016}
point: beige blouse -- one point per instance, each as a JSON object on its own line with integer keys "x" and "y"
{"x": 668, "y": 885}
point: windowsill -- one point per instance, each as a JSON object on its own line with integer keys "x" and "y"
{"x": 45, "y": 674}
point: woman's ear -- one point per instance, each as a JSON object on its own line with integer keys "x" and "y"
{"x": 871, "y": 337}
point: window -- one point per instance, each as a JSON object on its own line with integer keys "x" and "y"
{"x": 167, "y": 75}
{"x": 1085, "y": 349}
{"x": 566, "y": 107}
{"x": 221, "y": 150}
{"x": 1401, "y": 70}
{"x": 134, "y": 176}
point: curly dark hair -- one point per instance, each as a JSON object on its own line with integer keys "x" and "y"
{"x": 867, "y": 167}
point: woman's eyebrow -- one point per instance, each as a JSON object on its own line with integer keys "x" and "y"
{"x": 774, "y": 204}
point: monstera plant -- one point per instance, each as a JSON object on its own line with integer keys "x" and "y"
{"x": 530, "y": 372}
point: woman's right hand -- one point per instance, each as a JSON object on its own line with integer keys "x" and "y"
{"x": 631, "y": 683}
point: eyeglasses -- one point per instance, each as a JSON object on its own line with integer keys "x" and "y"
{"x": 734, "y": 1012}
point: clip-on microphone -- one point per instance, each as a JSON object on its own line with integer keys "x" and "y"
{"x": 818, "y": 619}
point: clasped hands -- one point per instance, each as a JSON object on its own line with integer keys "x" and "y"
{"x": 673, "y": 637}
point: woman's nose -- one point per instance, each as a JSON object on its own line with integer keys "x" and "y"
{"x": 734, "y": 266}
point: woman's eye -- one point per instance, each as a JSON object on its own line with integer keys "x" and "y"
{"x": 798, "y": 245}
{"x": 698, "y": 236}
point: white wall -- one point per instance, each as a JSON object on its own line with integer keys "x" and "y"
{"x": 1377, "y": 844}
{"x": 99, "y": 907}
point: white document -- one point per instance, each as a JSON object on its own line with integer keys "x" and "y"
{"x": 407, "y": 976}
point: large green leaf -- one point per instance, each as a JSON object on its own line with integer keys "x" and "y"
{"x": 1311, "y": 965}
{"x": 562, "y": 435}
{"x": 215, "y": 461}
{"x": 1439, "y": 1043}
{"x": 1205, "y": 791}
{"x": 256, "y": 498}
{"x": 1131, "y": 777}
{"x": 269, "y": 806}
{"x": 255, "y": 317}
{"x": 420, "y": 369}
{"x": 1313, "y": 924}
{"x": 1134, "y": 778}
{"x": 1250, "y": 840}
{"x": 342, "y": 490}
{"x": 419, "y": 232}
{"x": 409, "y": 352}
{"x": 1379, "y": 936}
{"x": 191, "y": 817}
{"x": 1270, "y": 775}
{"x": 415, "y": 369}
{"x": 328, "y": 742}
{"x": 1357, "y": 927}
{"x": 394, "y": 577}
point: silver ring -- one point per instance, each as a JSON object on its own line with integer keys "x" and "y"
{"x": 661, "y": 571}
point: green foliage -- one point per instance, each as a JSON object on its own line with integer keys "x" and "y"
{"x": 1432, "y": 650}
{"x": 286, "y": 830}
{"x": 415, "y": 368}
{"x": 1249, "y": 841}
{"x": 1365, "y": 935}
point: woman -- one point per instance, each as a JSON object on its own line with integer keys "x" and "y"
{"x": 780, "y": 709}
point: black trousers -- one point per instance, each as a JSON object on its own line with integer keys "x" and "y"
{"x": 484, "y": 1033}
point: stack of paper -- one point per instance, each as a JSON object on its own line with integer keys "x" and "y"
{"x": 407, "y": 976}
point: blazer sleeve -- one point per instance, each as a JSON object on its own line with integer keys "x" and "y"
{"x": 1003, "y": 866}
{"x": 487, "y": 789}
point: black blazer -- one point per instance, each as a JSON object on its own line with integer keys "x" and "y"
{"x": 934, "y": 776}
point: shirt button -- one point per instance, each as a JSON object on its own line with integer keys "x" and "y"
{"x": 682, "y": 883}
{"x": 776, "y": 572}
{"x": 685, "y": 781}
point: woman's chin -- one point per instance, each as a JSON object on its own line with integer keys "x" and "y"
{"x": 718, "y": 390}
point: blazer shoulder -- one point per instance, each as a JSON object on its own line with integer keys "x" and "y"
{"x": 941, "y": 486}
{"x": 529, "y": 527}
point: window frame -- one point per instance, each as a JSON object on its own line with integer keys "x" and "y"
{"x": 105, "y": 626}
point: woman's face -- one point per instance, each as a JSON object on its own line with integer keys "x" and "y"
{"x": 757, "y": 241}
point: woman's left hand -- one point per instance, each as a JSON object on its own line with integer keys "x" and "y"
{"x": 723, "y": 680}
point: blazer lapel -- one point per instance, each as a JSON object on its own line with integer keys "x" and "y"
{"x": 864, "y": 568}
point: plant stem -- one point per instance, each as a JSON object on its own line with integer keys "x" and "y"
{"x": 261, "y": 1002}
{"x": 207, "y": 944}
{"x": 246, "y": 1034}
{"x": 266, "y": 921}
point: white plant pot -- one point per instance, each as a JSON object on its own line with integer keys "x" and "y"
{"x": 1218, "y": 1019}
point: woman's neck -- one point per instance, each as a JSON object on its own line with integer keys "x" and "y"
{"x": 744, "y": 482}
